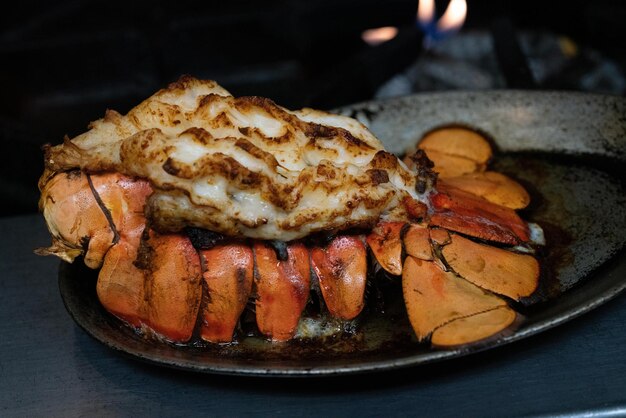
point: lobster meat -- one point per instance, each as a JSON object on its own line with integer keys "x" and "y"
{"x": 197, "y": 207}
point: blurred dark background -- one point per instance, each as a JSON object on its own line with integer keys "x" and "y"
{"x": 65, "y": 62}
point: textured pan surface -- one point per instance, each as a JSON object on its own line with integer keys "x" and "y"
{"x": 569, "y": 149}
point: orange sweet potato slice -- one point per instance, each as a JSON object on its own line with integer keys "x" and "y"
{"x": 417, "y": 242}
{"x": 386, "y": 245}
{"x": 494, "y": 187}
{"x": 458, "y": 141}
{"x": 342, "y": 272}
{"x": 434, "y": 297}
{"x": 173, "y": 289}
{"x": 500, "y": 271}
{"x": 473, "y": 328}
{"x": 469, "y": 214}
{"x": 282, "y": 289}
{"x": 447, "y": 165}
{"x": 228, "y": 274}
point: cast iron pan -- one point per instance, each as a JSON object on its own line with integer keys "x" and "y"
{"x": 568, "y": 149}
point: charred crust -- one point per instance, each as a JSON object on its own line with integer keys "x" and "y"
{"x": 183, "y": 82}
{"x": 378, "y": 176}
{"x": 326, "y": 170}
{"x": 351, "y": 139}
{"x": 384, "y": 160}
{"x": 221, "y": 120}
{"x": 321, "y": 239}
{"x": 248, "y": 102}
{"x": 421, "y": 160}
{"x": 256, "y": 152}
{"x": 145, "y": 252}
{"x": 241, "y": 275}
{"x": 251, "y": 132}
{"x": 316, "y": 130}
{"x": 170, "y": 167}
{"x": 201, "y": 135}
{"x": 244, "y": 130}
{"x": 234, "y": 172}
{"x": 426, "y": 177}
{"x": 280, "y": 248}
{"x": 203, "y": 239}
{"x": 315, "y": 145}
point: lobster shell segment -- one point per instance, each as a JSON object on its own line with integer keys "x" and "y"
{"x": 172, "y": 285}
{"x": 434, "y": 298}
{"x": 498, "y": 270}
{"x": 474, "y": 328}
{"x": 120, "y": 285}
{"x": 341, "y": 269}
{"x": 153, "y": 282}
{"x": 282, "y": 289}
{"x": 385, "y": 241}
{"x": 469, "y": 214}
{"x": 228, "y": 275}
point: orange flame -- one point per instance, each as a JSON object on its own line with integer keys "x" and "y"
{"x": 425, "y": 12}
{"x": 454, "y": 16}
{"x": 379, "y": 35}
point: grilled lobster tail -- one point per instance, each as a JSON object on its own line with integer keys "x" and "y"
{"x": 196, "y": 203}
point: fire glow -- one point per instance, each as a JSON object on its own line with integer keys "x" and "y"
{"x": 451, "y": 21}
{"x": 377, "y": 36}
{"x": 454, "y": 16}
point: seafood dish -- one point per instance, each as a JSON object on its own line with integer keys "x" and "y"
{"x": 212, "y": 218}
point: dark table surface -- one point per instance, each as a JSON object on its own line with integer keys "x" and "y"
{"x": 50, "y": 367}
